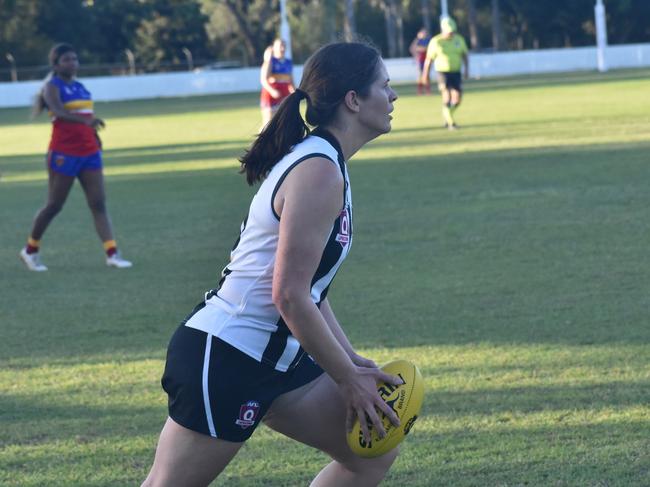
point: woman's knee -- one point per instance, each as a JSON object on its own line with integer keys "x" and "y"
{"x": 376, "y": 467}
{"x": 52, "y": 208}
{"x": 97, "y": 206}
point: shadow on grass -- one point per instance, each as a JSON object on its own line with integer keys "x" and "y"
{"x": 520, "y": 82}
{"x": 216, "y": 103}
{"x": 558, "y": 79}
{"x": 138, "y": 155}
{"x": 544, "y": 245}
{"x": 525, "y": 400}
{"x": 144, "y": 108}
{"x": 564, "y": 453}
{"x": 525, "y": 127}
{"x": 27, "y": 417}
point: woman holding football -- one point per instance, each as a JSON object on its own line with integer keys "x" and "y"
{"x": 265, "y": 344}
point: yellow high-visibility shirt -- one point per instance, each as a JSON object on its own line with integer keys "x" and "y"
{"x": 447, "y": 53}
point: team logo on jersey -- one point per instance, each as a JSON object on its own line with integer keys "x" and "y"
{"x": 343, "y": 237}
{"x": 59, "y": 160}
{"x": 248, "y": 414}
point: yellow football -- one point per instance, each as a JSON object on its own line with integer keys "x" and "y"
{"x": 405, "y": 400}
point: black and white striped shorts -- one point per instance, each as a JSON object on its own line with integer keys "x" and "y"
{"x": 218, "y": 390}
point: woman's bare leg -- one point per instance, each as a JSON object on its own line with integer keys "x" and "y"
{"x": 59, "y": 186}
{"x": 92, "y": 182}
{"x": 187, "y": 458}
{"x": 315, "y": 415}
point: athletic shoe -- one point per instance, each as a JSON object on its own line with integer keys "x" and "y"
{"x": 32, "y": 261}
{"x": 452, "y": 127}
{"x": 117, "y": 261}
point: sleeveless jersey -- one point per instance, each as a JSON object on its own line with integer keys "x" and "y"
{"x": 421, "y": 48}
{"x": 240, "y": 310}
{"x": 281, "y": 70}
{"x": 72, "y": 138}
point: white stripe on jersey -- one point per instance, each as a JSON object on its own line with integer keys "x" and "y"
{"x": 319, "y": 286}
{"x": 241, "y": 311}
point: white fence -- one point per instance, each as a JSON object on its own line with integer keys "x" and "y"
{"x": 400, "y": 70}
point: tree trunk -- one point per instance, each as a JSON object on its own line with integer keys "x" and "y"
{"x": 250, "y": 42}
{"x": 349, "y": 24}
{"x": 394, "y": 27}
{"x": 399, "y": 28}
{"x": 331, "y": 13}
{"x": 390, "y": 31}
{"x": 426, "y": 15}
{"x": 496, "y": 26}
{"x": 474, "y": 40}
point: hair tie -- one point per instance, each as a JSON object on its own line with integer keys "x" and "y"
{"x": 301, "y": 93}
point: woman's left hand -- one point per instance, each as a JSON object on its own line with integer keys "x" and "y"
{"x": 360, "y": 361}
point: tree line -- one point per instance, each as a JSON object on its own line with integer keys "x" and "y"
{"x": 159, "y": 34}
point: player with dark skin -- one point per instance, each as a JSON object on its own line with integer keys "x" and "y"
{"x": 59, "y": 184}
{"x": 65, "y": 64}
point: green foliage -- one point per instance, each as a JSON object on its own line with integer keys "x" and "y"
{"x": 244, "y": 27}
{"x": 19, "y": 34}
{"x": 69, "y": 22}
{"x": 508, "y": 260}
{"x": 239, "y": 30}
{"x": 170, "y": 26}
{"x": 313, "y": 24}
{"x": 114, "y": 25}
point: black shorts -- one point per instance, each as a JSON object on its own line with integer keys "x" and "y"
{"x": 451, "y": 81}
{"x": 217, "y": 390}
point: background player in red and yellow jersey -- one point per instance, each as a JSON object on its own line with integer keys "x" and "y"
{"x": 74, "y": 152}
{"x": 448, "y": 51}
{"x": 418, "y": 50}
{"x": 276, "y": 76}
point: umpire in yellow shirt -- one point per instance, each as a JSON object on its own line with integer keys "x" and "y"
{"x": 447, "y": 51}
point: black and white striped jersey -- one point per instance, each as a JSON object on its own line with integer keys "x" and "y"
{"x": 240, "y": 310}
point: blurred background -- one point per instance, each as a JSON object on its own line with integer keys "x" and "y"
{"x": 143, "y": 36}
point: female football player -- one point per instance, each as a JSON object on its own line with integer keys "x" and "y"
{"x": 276, "y": 76}
{"x": 418, "y": 50}
{"x": 265, "y": 344}
{"x": 74, "y": 152}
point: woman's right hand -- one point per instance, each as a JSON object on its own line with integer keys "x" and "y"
{"x": 96, "y": 123}
{"x": 364, "y": 402}
{"x": 274, "y": 93}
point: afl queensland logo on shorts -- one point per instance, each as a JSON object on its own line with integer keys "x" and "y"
{"x": 343, "y": 236}
{"x": 248, "y": 414}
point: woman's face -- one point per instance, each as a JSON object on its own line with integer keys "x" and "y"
{"x": 67, "y": 64}
{"x": 278, "y": 49}
{"x": 377, "y": 106}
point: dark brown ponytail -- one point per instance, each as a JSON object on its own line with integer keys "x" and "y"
{"x": 328, "y": 75}
{"x": 285, "y": 130}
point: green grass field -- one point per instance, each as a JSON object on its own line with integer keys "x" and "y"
{"x": 510, "y": 260}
